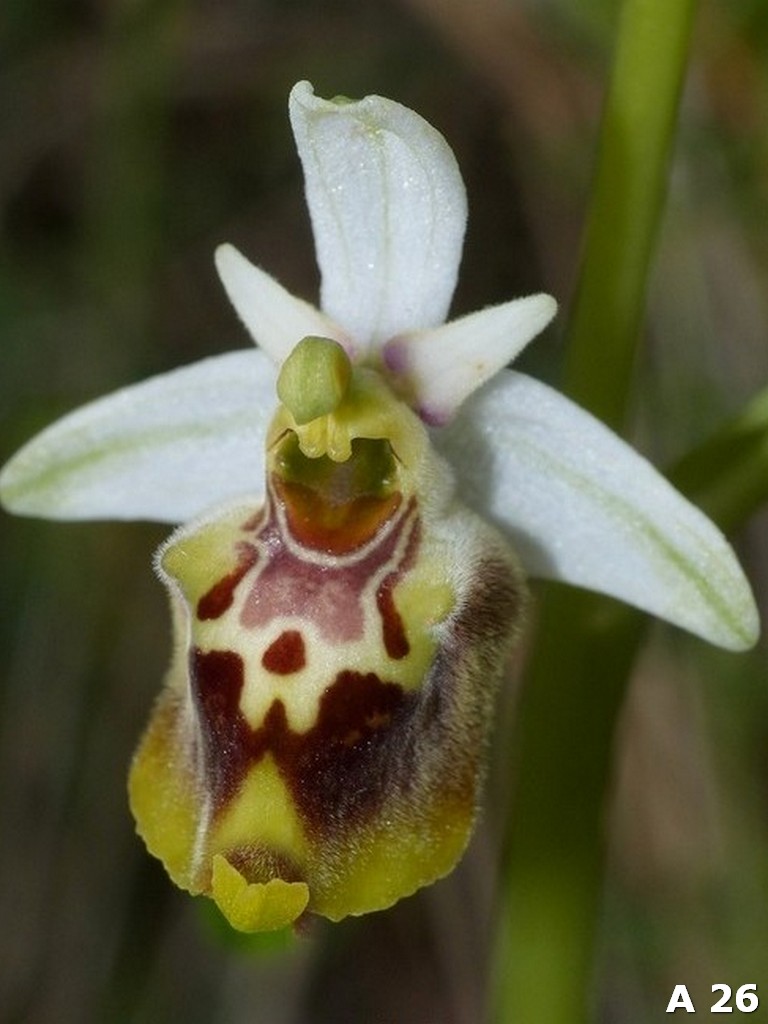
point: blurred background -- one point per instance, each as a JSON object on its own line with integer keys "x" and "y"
{"x": 135, "y": 135}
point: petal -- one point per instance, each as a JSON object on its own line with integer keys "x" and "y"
{"x": 275, "y": 319}
{"x": 584, "y": 507}
{"x": 438, "y": 369}
{"x": 162, "y": 450}
{"x": 388, "y": 210}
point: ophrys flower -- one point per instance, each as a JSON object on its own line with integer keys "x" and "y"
{"x": 343, "y": 613}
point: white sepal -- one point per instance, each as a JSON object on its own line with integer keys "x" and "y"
{"x": 581, "y": 506}
{"x": 162, "y": 450}
{"x": 440, "y": 367}
{"x": 388, "y": 212}
{"x": 275, "y": 319}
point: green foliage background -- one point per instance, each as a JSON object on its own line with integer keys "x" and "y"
{"x": 135, "y": 135}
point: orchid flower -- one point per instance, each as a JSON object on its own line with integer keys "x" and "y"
{"x": 362, "y": 496}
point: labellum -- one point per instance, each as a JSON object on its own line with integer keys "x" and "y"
{"x": 320, "y": 740}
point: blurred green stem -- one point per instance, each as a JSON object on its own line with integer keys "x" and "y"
{"x": 627, "y": 199}
{"x": 586, "y": 644}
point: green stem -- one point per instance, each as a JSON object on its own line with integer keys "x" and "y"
{"x": 626, "y": 204}
{"x": 586, "y": 644}
{"x": 554, "y": 865}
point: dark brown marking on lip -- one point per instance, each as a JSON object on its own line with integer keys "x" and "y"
{"x": 219, "y": 598}
{"x": 395, "y": 638}
{"x": 342, "y": 771}
{"x": 373, "y": 747}
{"x": 335, "y": 771}
{"x": 286, "y": 654}
{"x": 217, "y": 680}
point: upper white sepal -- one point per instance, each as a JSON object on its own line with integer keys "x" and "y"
{"x": 388, "y": 211}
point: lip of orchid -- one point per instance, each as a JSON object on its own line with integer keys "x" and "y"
{"x": 338, "y": 645}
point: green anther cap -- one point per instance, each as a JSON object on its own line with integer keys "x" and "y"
{"x": 313, "y": 379}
